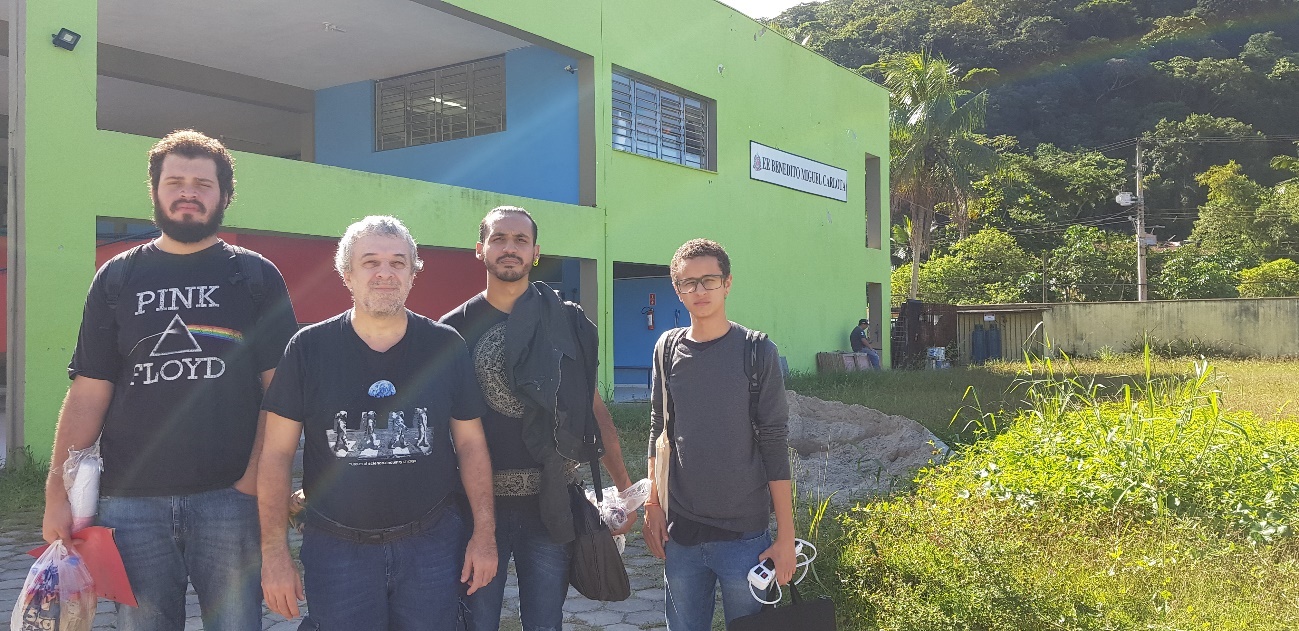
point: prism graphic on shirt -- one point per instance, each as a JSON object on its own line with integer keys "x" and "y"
{"x": 370, "y": 442}
{"x": 172, "y": 355}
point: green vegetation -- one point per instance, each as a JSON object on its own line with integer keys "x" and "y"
{"x": 1061, "y": 94}
{"x": 933, "y": 398}
{"x": 22, "y": 491}
{"x": 632, "y": 421}
{"x": 1275, "y": 278}
{"x": 1151, "y": 505}
{"x": 935, "y": 156}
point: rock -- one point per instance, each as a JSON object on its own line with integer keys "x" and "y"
{"x": 852, "y": 451}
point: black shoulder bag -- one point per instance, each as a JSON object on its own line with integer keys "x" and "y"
{"x": 596, "y": 569}
{"x": 804, "y": 615}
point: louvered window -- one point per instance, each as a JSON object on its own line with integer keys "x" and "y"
{"x": 441, "y": 104}
{"x": 660, "y": 123}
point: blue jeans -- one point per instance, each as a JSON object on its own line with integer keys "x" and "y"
{"x": 210, "y": 539}
{"x": 692, "y": 574}
{"x": 872, "y": 356}
{"x": 410, "y": 583}
{"x": 542, "y": 567}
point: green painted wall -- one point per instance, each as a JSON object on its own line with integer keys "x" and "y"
{"x": 800, "y": 263}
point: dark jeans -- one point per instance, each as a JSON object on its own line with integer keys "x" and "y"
{"x": 411, "y": 583}
{"x": 542, "y": 567}
{"x": 210, "y": 539}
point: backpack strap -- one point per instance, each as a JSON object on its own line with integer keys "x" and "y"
{"x": 754, "y": 341}
{"x": 248, "y": 270}
{"x": 116, "y": 271}
{"x": 664, "y": 362}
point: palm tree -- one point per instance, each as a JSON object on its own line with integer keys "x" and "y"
{"x": 933, "y": 145}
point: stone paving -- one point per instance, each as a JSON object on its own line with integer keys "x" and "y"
{"x": 643, "y": 611}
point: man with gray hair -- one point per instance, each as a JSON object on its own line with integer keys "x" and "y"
{"x": 383, "y": 529}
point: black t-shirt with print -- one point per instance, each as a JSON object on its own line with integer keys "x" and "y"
{"x": 483, "y": 327}
{"x": 393, "y": 459}
{"x": 184, "y": 348}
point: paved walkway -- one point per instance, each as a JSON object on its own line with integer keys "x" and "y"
{"x": 643, "y": 611}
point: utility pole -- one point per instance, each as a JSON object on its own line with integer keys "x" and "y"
{"x": 1043, "y": 276}
{"x": 1141, "y": 233}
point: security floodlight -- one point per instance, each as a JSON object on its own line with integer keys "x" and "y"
{"x": 65, "y": 39}
{"x": 1125, "y": 199}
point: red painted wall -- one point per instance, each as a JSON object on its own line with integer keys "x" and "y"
{"x": 450, "y": 277}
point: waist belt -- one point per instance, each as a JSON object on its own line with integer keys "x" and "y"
{"x": 378, "y": 536}
{"x": 525, "y": 482}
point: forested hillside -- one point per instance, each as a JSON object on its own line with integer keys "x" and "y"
{"x": 1210, "y": 87}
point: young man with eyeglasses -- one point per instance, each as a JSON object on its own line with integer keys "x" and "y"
{"x": 730, "y": 464}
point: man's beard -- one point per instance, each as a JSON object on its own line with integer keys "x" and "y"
{"x": 384, "y": 303}
{"x": 187, "y": 231}
{"x": 508, "y": 275}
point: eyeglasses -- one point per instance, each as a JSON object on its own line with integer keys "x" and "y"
{"x": 691, "y": 285}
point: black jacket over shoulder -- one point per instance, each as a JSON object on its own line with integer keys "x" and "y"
{"x": 551, "y": 356}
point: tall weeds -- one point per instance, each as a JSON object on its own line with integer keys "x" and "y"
{"x": 1158, "y": 446}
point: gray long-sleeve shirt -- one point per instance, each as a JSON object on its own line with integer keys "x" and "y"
{"x": 722, "y": 461}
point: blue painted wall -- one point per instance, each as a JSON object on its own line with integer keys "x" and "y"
{"x": 633, "y": 344}
{"x": 568, "y": 282}
{"x": 536, "y": 156}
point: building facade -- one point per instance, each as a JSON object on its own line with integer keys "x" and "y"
{"x": 626, "y": 127}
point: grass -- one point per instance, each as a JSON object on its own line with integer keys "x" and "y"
{"x": 934, "y": 398}
{"x": 22, "y": 492}
{"x": 632, "y": 421}
{"x": 1089, "y": 507}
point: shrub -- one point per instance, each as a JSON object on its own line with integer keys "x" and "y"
{"x": 1182, "y": 348}
{"x": 1141, "y": 506}
{"x": 1279, "y": 278}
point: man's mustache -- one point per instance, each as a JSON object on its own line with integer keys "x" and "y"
{"x": 201, "y": 208}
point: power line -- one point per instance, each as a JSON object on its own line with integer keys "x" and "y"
{"x": 1120, "y": 144}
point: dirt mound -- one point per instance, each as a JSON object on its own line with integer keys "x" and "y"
{"x": 852, "y": 450}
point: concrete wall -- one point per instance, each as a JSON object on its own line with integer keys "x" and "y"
{"x": 1262, "y": 327}
{"x": 536, "y": 156}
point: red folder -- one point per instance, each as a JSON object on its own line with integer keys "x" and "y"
{"x": 97, "y": 549}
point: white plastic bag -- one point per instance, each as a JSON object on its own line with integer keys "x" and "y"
{"x": 617, "y": 504}
{"x": 81, "y": 480}
{"x": 58, "y": 594}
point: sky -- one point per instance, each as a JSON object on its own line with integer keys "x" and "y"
{"x": 762, "y": 8}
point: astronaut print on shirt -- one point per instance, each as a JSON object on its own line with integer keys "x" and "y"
{"x": 365, "y": 440}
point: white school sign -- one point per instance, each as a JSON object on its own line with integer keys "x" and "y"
{"x": 796, "y": 172}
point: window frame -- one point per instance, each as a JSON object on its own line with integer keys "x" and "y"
{"x": 644, "y": 130}
{"x": 450, "y": 87}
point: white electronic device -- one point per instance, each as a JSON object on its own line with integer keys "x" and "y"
{"x": 763, "y": 574}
